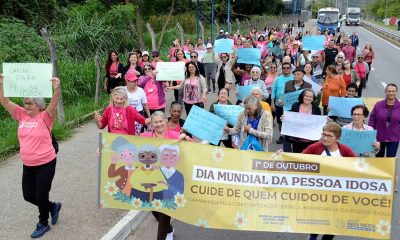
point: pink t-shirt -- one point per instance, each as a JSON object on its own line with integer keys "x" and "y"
{"x": 151, "y": 90}
{"x": 191, "y": 91}
{"x": 169, "y": 134}
{"x": 269, "y": 80}
{"x": 34, "y": 138}
{"x": 119, "y": 120}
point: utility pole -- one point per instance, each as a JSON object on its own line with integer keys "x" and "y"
{"x": 212, "y": 20}
{"x": 197, "y": 19}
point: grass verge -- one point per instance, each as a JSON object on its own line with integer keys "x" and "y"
{"x": 75, "y": 114}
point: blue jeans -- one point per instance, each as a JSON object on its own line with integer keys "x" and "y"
{"x": 390, "y": 147}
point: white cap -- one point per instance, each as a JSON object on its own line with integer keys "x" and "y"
{"x": 145, "y": 53}
{"x": 209, "y": 45}
{"x": 221, "y": 31}
{"x": 226, "y": 33}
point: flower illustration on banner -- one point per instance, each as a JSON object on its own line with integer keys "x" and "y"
{"x": 361, "y": 164}
{"x": 287, "y": 228}
{"x": 105, "y": 146}
{"x": 240, "y": 220}
{"x": 110, "y": 188}
{"x": 103, "y": 203}
{"x": 275, "y": 156}
{"x": 136, "y": 202}
{"x": 202, "y": 223}
{"x": 218, "y": 154}
{"x": 157, "y": 204}
{"x": 179, "y": 200}
{"x": 383, "y": 227}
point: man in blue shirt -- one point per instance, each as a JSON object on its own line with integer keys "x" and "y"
{"x": 278, "y": 89}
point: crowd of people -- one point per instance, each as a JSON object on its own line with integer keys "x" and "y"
{"x": 138, "y": 102}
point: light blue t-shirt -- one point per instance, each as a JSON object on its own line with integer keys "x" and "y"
{"x": 278, "y": 87}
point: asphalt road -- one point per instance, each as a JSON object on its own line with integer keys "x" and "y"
{"x": 385, "y": 70}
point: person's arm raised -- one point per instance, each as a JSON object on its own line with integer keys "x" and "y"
{"x": 5, "y": 101}
{"x": 52, "y": 107}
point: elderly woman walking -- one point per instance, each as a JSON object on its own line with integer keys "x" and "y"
{"x": 37, "y": 152}
{"x": 254, "y": 120}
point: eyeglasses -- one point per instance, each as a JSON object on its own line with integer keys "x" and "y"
{"x": 28, "y": 103}
{"x": 155, "y": 56}
{"x": 327, "y": 135}
{"x": 286, "y": 68}
{"x": 314, "y": 56}
{"x": 253, "y": 72}
{"x": 147, "y": 69}
{"x": 339, "y": 57}
{"x": 193, "y": 56}
{"x": 272, "y": 67}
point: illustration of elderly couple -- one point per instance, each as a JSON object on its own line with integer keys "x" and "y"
{"x": 141, "y": 176}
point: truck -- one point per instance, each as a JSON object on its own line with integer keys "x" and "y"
{"x": 353, "y": 16}
{"x": 328, "y": 19}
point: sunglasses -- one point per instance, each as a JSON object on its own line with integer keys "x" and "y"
{"x": 314, "y": 56}
{"x": 193, "y": 56}
{"x": 339, "y": 57}
{"x": 155, "y": 56}
{"x": 286, "y": 68}
{"x": 147, "y": 69}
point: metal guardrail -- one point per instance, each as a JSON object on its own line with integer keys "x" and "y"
{"x": 381, "y": 30}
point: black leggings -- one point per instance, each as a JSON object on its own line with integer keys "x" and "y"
{"x": 189, "y": 106}
{"x": 36, "y": 185}
{"x": 164, "y": 225}
{"x": 324, "y": 237}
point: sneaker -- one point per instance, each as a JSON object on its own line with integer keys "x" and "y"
{"x": 312, "y": 237}
{"x": 209, "y": 91}
{"x": 40, "y": 230}
{"x": 280, "y": 140}
{"x": 170, "y": 236}
{"x": 55, "y": 212}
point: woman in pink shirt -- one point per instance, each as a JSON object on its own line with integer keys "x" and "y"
{"x": 161, "y": 130}
{"x": 369, "y": 56}
{"x": 119, "y": 116}
{"x": 194, "y": 88}
{"x": 179, "y": 57}
{"x": 154, "y": 90}
{"x": 114, "y": 70}
{"x": 37, "y": 152}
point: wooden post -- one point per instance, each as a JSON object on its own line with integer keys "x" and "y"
{"x": 165, "y": 24}
{"x": 54, "y": 61}
{"x": 202, "y": 30}
{"x": 216, "y": 26}
{"x": 248, "y": 23}
{"x": 98, "y": 76}
{"x": 181, "y": 33}
{"x": 153, "y": 37}
{"x": 238, "y": 24}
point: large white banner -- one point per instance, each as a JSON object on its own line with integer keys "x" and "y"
{"x": 303, "y": 125}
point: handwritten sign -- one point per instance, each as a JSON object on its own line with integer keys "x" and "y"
{"x": 204, "y": 125}
{"x": 341, "y": 107}
{"x": 27, "y": 79}
{"x": 314, "y": 86}
{"x": 249, "y": 55}
{"x": 200, "y": 55}
{"x": 313, "y": 42}
{"x": 244, "y": 91}
{"x": 170, "y": 71}
{"x": 358, "y": 141}
{"x": 303, "y": 125}
{"x": 228, "y": 112}
{"x": 224, "y": 45}
{"x": 289, "y": 98}
{"x": 208, "y": 58}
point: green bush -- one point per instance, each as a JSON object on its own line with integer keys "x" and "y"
{"x": 19, "y": 43}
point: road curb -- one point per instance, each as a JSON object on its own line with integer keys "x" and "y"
{"x": 125, "y": 226}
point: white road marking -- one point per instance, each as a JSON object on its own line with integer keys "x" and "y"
{"x": 384, "y": 84}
